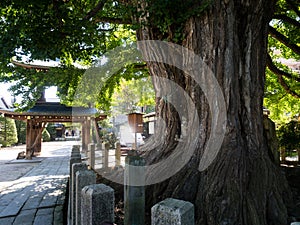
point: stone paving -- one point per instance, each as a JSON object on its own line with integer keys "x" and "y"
{"x": 38, "y": 197}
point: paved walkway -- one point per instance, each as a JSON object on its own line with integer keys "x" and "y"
{"x": 38, "y": 196}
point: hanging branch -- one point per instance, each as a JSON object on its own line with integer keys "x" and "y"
{"x": 113, "y": 20}
{"x": 283, "y": 39}
{"x": 293, "y": 6}
{"x": 280, "y": 74}
{"x": 287, "y": 19}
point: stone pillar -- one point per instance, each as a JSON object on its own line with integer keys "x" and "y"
{"x": 172, "y": 211}
{"x": 75, "y": 168}
{"x": 134, "y": 189}
{"x": 97, "y": 204}
{"x": 91, "y": 155}
{"x": 118, "y": 153}
{"x": 86, "y": 135}
{"x": 106, "y": 155}
{"x": 75, "y": 158}
{"x": 83, "y": 178}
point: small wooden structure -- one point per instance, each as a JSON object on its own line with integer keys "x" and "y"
{"x": 44, "y": 112}
{"x": 135, "y": 121}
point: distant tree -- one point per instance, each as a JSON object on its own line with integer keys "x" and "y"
{"x": 51, "y": 130}
{"x": 8, "y": 132}
{"x": 289, "y": 135}
{"x": 132, "y": 95}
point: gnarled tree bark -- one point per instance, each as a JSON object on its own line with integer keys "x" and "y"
{"x": 242, "y": 185}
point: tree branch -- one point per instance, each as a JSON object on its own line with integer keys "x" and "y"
{"x": 287, "y": 19}
{"x": 293, "y": 6}
{"x": 283, "y": 39}
{"x": 140, "y": 66}
{"x": 113, "y": 20}
{"x": 280, "y": 74}
{"x": 29, "y": 66}
{"x": 98, "y": 8}
{"x": 278, "y": 71}
{"x": 287, "y": 88}
{"x": 95, "y": 10}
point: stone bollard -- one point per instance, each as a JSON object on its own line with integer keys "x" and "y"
{"x": 172, "y": 211}
{"x": 106, "y": 155}
{"x": 83, "y": 178}
{"x": 118, "y": 153}
{"x": 75, "y": 150}
{"x": 75, "y": 158}
{"x": 91, "y": 155}
{"x": 134, "y": 189}
{"x": 75, "y": 168}
{"x": 97, "y": 204}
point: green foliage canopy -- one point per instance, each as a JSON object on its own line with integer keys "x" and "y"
{"x": 8, "y": 132}
{"x": 76, "y": 31}
{"x": 282, "y": 82}
{"x": 289, "y": 135}
{"x": 132, "y": 94}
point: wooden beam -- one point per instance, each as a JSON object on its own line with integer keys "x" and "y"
{"x": 38, "y": 130}
{"x": 28, "y": 139}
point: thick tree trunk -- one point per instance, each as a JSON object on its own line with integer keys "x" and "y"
{"x": 242, "y": 185}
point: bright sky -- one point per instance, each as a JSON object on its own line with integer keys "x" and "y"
{"x": 50, "y": 93}
{"x": 5, "y": 93}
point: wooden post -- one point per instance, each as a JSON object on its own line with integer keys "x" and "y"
{"x": 36, "y": 137}
{"x": 28, "y": 138}
{"x": 37, "y": 144}
{"x": 97, "y": 132}
{"x": 33, "y": 135}
{"x": 88, "y": 132}
{"x": 83, "y": 138}
{"x": 86, "y": 135}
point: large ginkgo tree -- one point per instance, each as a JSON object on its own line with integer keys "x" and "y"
{"x": 235, "y": 182}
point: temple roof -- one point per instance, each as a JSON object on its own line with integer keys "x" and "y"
{"x": 53, "y": 111}
{"x": 57, "y": 109}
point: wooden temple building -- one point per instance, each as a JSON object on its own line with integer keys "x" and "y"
{"x": 44, "y": 112}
